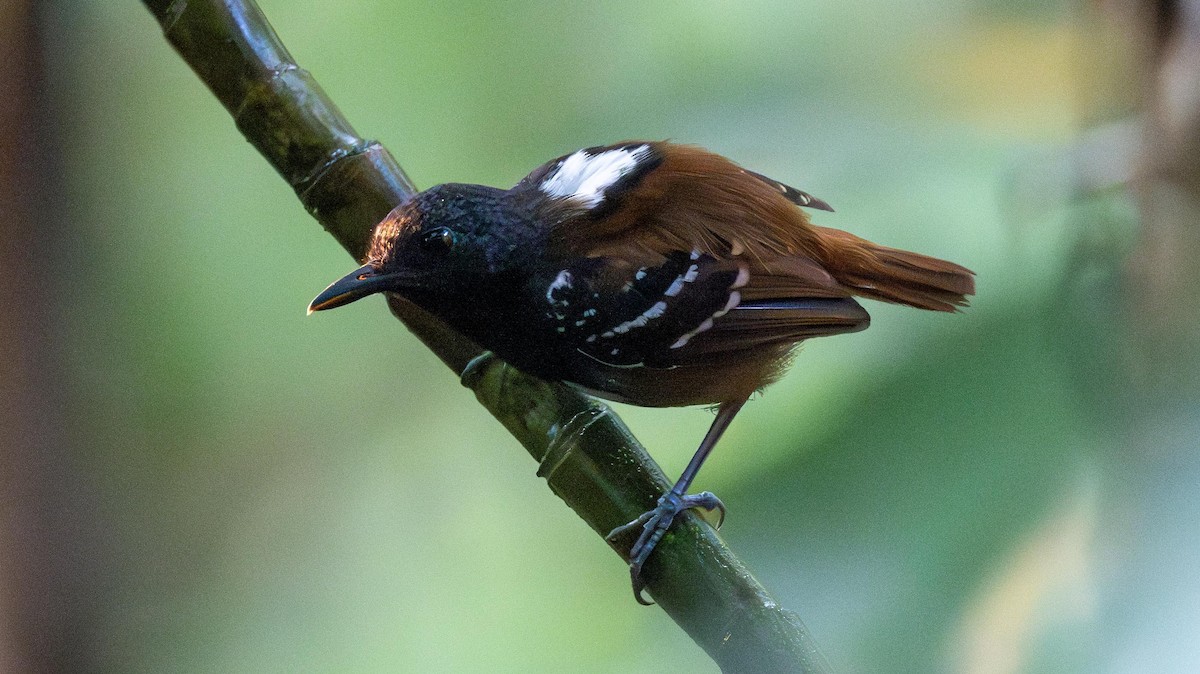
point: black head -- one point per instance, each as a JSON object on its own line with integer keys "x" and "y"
{"x": 443, "y": 245}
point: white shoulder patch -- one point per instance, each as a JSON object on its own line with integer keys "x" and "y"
{"x": 585, "y": 177}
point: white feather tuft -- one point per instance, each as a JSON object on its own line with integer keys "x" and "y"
{"x": 585, "y": 177}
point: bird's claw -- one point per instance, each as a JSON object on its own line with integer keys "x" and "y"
{"x": 474, "y": 369}
{"x": 654, "y": 525}
{"x": 708, "y": 502}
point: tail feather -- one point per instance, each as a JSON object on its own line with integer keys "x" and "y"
{"x": 893, "y": 275}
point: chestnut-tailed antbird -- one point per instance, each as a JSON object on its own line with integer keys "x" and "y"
{"x": 643, "y": 272}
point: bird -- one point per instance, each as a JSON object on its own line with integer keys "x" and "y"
{"x": 645, "y": 272}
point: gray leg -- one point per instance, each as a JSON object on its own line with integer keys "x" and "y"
{"x": 654, "y": 523}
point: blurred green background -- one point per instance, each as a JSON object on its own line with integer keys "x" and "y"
{"x": 245, "y": 489}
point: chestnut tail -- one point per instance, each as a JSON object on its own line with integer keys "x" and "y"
{"x": 893, "y": 275}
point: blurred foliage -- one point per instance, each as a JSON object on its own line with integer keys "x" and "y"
{"x": 291, "y": 494}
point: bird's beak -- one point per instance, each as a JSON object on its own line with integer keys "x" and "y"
{"x": 365, "y": 280}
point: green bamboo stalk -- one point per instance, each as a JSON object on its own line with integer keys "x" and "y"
{"x": 586, "y": 454}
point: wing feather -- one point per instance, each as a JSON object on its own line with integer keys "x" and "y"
{"x": 693, "y": 199}
{"x": 684, "y": 198}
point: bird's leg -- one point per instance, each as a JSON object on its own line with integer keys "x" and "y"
{"x": 654, "y": 523}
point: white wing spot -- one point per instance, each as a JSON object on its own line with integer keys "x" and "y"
{"x": 675, "y": 287}
{"x": 563, "y": 280}
{"x": 743, "y": 276}
{"x": 735, "y": 298}
{"x": 585, "y": 177}
{"x": 682, "y": 341}
{"x": 625, "y": 327}
{"x": 656, "y": 310}
{"x": 641, "y": 321}
{"x": 692, "y": 272}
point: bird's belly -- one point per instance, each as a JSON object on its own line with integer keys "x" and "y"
{"x": 734, "y": 376}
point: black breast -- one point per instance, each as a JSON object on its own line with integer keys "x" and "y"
{"x": 624, "y": 316}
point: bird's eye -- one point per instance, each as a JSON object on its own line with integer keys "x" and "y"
{"x": 439, "y": 240}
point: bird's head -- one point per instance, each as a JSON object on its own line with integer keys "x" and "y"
{"x": 445, "y": 245}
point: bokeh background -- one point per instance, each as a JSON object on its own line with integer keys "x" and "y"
{"x": 198, "y": 478}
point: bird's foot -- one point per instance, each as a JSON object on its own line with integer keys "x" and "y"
{"x": 654, "y": 525}
{"x": 474, "y": 369}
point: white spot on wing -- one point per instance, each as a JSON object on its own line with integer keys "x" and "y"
{"x": 641, "y": 321}
{"x": 656, "y": 310}
{"x": 563, "y": 280}
{"x": 585, "y": 177}
{"x": 743, "y": 276}
{"x": 735, "y": 298}
{"x": 682, "y": 341}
